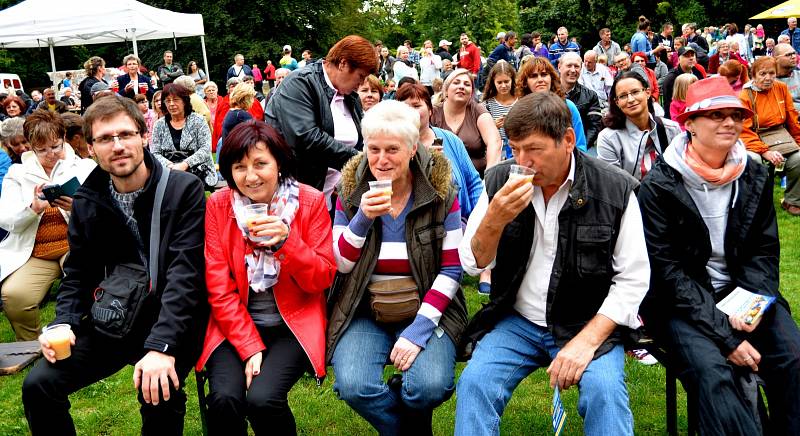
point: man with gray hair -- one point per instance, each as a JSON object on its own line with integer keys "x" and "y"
{"x": 786, "y": 60}
{"x": 239, "y": 69}
{"x": 596, "y": 77}
{"x": 586, "y": 100}
{"x": 569, "y": 270}
{"x": 792, "y": 32}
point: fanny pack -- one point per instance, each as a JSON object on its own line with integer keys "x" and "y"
{"x": 394, "y": 300}
{"x": 121, "y": 296}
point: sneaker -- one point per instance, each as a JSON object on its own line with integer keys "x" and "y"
{"x": 484, "y": 288}
{"x": 643, "y": 357}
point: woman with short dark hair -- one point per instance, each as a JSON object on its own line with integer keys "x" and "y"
{"x": 266, "y": 272}
{"x": 182, "y": 140}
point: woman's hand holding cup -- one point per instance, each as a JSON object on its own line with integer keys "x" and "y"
{"x": 268, "y": 229}
{"x": 378, "y": 200}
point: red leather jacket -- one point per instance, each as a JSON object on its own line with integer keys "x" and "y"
{"x": 307, "y": 269}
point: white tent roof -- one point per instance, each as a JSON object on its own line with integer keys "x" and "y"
{"x": 39, "y": 23}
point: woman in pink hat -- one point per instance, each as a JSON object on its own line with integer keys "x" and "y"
{"x": 711, "y": 230}
{"x": 772, "y": 103}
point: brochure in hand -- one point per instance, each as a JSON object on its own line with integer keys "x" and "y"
{"x": 558, "y": 413}
{"x": 745, "y": 304}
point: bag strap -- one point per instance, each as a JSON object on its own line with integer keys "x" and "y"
{"x": 155, "y": 226}
{"x": 755, "y": 111}
{"x": 661, "y": 131}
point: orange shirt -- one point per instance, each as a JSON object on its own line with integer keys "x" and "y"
{"x": 774, "y": 107}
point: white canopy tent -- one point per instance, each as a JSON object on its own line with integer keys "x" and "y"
{"x": 37, "y": 23}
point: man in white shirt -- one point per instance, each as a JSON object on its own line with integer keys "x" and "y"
{"x": 569, "y": 270}
{"x": 596, "y": 77}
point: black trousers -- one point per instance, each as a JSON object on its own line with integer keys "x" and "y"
{"x": 709, "y": 378}
{"x": 94, "y": 357}
{"x": 265, "y": 404}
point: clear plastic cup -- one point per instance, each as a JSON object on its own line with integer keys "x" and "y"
{"x": 781, "y": 166}
{"x": 58, "y": 335}
{"x": 381, "y": 185}
{"x": 254, "y": 212}
{"x": 521, "y": 172}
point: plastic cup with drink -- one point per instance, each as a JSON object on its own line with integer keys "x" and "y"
{"x": 521, "y": 172}
{"x": 59, "y": 336}
{"x": 253, "y": 213}
{"x": 142, "y": 88}
{"x": 383, "y": 186}
{"x": 781, "y": 165}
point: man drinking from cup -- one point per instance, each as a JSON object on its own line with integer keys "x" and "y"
{"x": 569, "y": 269}
{"x": 110, "y": 245}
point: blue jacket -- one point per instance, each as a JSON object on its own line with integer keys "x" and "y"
{"x": 557, "y": 49}
{"x": 123, "y": 81}
{"x": 233, "y": 73}
{"x": 505, "y": 53}
{"x": 5, "y": 164}
{"x": 639, "y": 42}
{"x": 577, "y": 125}
{"x": 465, "y": 176}
{"x": 794, "y": 37}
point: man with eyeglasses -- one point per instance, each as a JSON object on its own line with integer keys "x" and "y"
{"x": 110, "y": 226}
{"x": 687, "y": 63}
{"x": 786, "y": 58}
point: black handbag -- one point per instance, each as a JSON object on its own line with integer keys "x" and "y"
{"x": 121, "y": 296}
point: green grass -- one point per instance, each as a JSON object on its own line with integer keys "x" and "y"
{"x": 110, "y": 407}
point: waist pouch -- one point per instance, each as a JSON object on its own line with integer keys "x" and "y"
{"x": 119, "y": 299}
{"x": 394, "y": 300}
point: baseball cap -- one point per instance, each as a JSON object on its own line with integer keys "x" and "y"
{"x": 287, "y": 47}
{"x": 444, "y": 43}
{"x": 683, "y": 50}
{"x": 99, "y": 86}
{"x": 500, "y": 35}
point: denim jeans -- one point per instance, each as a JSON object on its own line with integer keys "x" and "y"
{"x": 358, "y": 362}
{"x": 510, "y": 352}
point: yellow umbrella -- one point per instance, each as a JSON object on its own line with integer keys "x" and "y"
{"x": 783, "y": 10}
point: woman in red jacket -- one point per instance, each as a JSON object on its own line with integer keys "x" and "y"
{"x": 266, "y": 272}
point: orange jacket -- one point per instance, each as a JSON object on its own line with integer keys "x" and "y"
{"x": 307, "y": 269}
{"x": 774, "y": 107}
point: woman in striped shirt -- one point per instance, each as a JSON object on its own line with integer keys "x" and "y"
{"x": 407, "y": 234}
{"x": 498, "y": 97}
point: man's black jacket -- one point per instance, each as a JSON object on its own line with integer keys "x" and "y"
{"x": 175, "y": 321}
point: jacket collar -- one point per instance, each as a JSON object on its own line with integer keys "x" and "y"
{"x": 432, "y": 178}
{"x": 579, "y": 191}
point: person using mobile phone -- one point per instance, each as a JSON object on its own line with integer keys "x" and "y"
{"x": 32, "y": 253}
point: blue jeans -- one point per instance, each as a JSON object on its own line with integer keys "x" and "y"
{"x": 515, "y": 348}
{"x": 358, "y": 362}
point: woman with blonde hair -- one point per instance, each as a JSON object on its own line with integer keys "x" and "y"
{"x": 469, "y": 120}
{"x": 538, "y": 75}
{"x": 678, "y": 103}
{"x": 241, "y": 98}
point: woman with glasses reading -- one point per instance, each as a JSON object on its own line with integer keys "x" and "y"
{"x": 36, "y": 246}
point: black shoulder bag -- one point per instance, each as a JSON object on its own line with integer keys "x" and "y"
{"x": 120, "y": 297}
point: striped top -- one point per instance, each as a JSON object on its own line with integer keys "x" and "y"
{"x": 498, "y": 110}
{"x": 349, "y": 238}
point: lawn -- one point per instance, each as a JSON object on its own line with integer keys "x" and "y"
{"x": 110, "y": 407}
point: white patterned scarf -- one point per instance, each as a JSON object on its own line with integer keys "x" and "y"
{"x": 262, "y": 267}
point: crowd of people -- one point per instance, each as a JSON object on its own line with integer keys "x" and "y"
{"x": 598, "y": 194}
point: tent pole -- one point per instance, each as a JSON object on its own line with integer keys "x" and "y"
{"x": 135, "y": 47}
{"x": 205, "y": 58}
{"x": 52, "y": 59}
